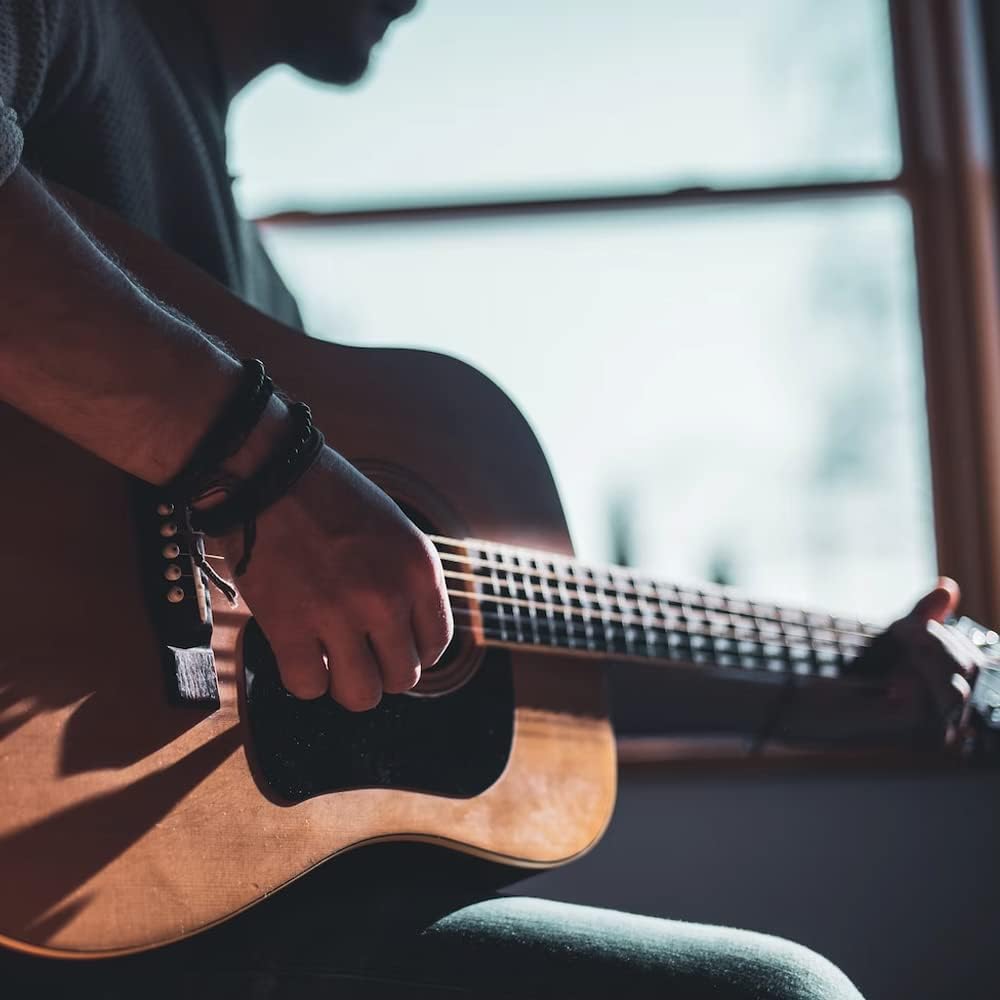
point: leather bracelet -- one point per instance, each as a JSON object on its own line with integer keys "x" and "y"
{"x": 227, "y": 434}
{"x": 268, "y": 485}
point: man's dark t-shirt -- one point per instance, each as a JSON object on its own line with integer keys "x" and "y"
{"x": 123, "y": 101}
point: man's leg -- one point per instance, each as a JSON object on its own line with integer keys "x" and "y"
{"x": 392, "y": 931}
{"x": 519, "y": 947}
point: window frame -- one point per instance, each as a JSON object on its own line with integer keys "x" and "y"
{"x": 944, "y": 115}
{"x": 943, "y": 109}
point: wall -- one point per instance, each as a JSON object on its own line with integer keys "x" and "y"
{"x": 895, "y": 877}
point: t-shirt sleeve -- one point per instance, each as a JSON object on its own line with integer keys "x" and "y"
{"x": 25, "y": 53}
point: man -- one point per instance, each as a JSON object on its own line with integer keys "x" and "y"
{"x": 125, "y": 102}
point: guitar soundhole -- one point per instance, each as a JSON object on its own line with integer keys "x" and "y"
{"x": 456, "y": 667}
{"x": 455, "y": 744}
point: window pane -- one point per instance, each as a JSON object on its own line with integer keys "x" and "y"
{"x": 735, "y": 395}
{"x": 535, "y": 97}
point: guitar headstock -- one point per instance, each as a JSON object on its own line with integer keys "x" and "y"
{"x": 984, "y": 702}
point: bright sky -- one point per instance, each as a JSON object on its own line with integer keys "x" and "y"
{"x": 747, "y": 383}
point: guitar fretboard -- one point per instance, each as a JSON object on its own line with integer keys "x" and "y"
{"x": 521, "y": 597}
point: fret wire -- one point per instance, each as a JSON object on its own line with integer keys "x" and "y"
{"x": 519, "y": 570}
{"x": 529, "y": 588}
{"x": 578, "y": 600}
{"x": 626, "y": 613}
{"x": 644, "y": 623}
{"x": 500, "y": 609}
{"x": 583, "y": 598}
{"x": 653, "y": 608}
{"x": 505, "y": 573}
{"x": 565, "y": 600}
{"x": 621, "y": 606}
{"x": 531, "y": 612}
{"x": 547, "y": 597}
{"x": 596, "y": 595}
{"x": 593, "y": 600}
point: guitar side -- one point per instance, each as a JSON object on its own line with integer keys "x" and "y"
{"x": 128, "y": 822}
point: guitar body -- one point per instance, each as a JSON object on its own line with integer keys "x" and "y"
{"x": 128, "y": 822}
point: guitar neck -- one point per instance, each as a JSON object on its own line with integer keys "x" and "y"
{"x": 510, "y": 596}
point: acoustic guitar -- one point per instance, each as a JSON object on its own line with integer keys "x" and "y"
{"x": 155, "y": 778}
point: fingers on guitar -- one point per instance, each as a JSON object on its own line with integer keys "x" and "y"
{"x": 949, "y": 674}
{"x": 963, "y": 651}
{"x": 432, "y": 627}
{"x": 397, "y": 655}
{"x": 300, "y": 663}
{"x": 355, "y": 678}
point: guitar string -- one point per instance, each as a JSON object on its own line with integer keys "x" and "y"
{"x": 514, "y": 551}
{"x": 600, "y": 615}
{"x": 539, "y": 555}
{"x": 595, "y": 632}
{"x": 596, "y": 615}
{"x": 685, "y": 598}
{"x": 602, "y": 632}
{"x": 577, "y": 578}
{"x": 654, "y": 591}
{"x": 711, "y": 617}
{"x": 591, "y": 586}
{"x": 639, "y": 616}
{"x": 598, "y": 593}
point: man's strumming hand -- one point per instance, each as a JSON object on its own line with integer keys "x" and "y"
{"x": 349, "y": 593}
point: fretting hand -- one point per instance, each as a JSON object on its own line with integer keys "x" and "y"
{"x": 930, "y": 666}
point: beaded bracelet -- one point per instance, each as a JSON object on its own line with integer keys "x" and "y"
{"x": 265, "y": 487}
{"x": 227, "y": 434}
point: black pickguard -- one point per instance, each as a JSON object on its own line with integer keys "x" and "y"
{"x": 455, "y": 745}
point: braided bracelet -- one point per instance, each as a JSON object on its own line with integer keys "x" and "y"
{"x": 227, "y": 434}
{"x": 266, "y": 486}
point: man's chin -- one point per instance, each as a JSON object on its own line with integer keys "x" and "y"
{"x": 344, "y": 67}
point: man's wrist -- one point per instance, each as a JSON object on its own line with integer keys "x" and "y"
{"x": 262, "y": 442}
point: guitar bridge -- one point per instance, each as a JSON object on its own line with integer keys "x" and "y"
{"x": 178, "y": 599}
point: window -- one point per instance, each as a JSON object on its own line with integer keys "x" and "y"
{"x": 674, "y": 233}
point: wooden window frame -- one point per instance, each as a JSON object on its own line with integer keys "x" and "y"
{"x": 947, "y": 146}
{"x": 944, "y": 110}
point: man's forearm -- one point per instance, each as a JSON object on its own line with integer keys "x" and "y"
{"x": 85, "y": 351}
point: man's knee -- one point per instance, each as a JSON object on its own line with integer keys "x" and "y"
{"x": 777, "y": 969}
